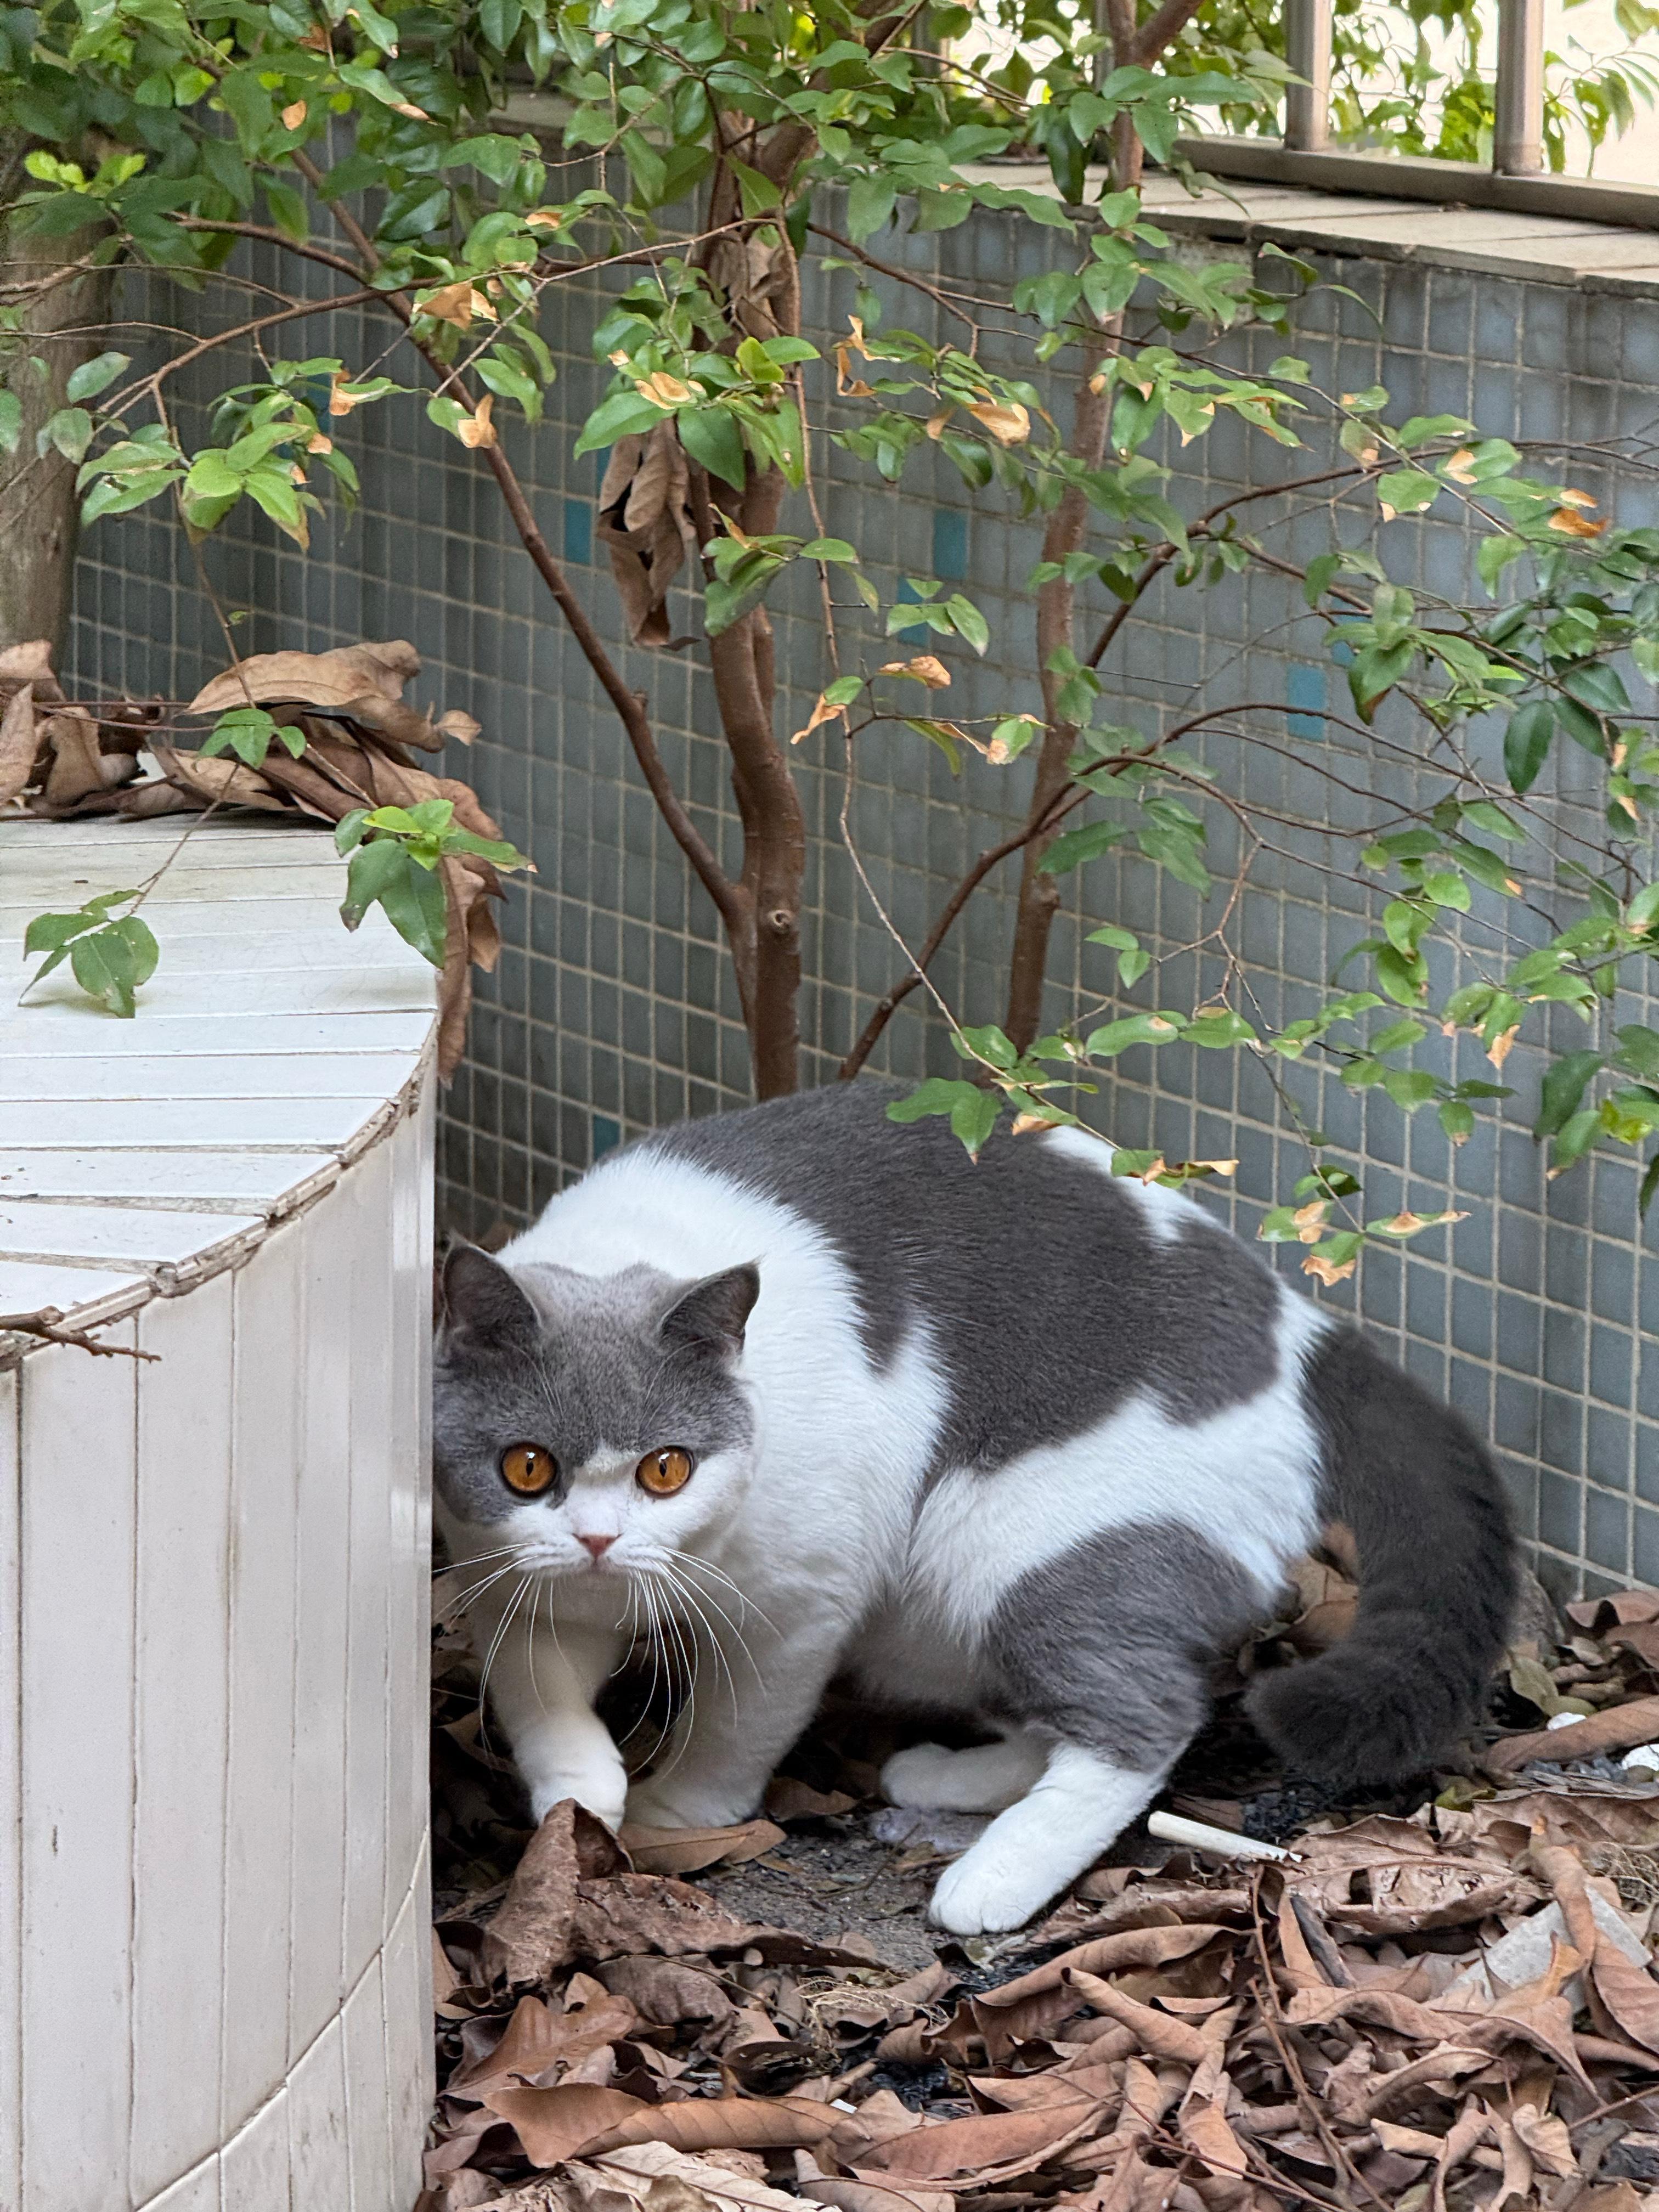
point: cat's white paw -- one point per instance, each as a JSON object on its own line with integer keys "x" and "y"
{"x": 600, "y": 1791}
{"x": 671, "y": 1803}
{"x": 985, "y": 1779}
{"x": 991, "y": 1890}
{"x": 920, "y": 1778}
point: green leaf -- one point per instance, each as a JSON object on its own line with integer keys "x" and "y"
{"x": 973, "y": 1112}
{"x": 411, "y": 897}
{"x": 11, "y": 422}
{"x": 1527, "y": 742}
{"x": 287, "y": 211}
{"x": 1133, "y": 1029}
{"x": 870, "y": 202}
{"x": 70, "y": 430}
{"x": 711, "y": 437}
{"x": 1562, "y": 1089}
{"x": 1073, "y": 847}
{"x": 1457, "y": 1120}
{"x": 970, "y": 623}
{"x": 92, "y": 377}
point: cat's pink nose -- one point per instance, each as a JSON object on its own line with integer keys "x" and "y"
{"x": 598, "y": 1545}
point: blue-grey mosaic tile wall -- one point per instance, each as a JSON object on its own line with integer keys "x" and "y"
{"x": 613, "y": 1008}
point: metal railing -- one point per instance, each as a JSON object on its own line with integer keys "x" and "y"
{"x": 1516, "y": 179}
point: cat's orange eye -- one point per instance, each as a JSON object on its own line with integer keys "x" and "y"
{"x": 528, "y": 1469}
{"x": 663, "y": 1473}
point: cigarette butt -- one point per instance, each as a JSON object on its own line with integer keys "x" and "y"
{"x": 1199, "y": 1836}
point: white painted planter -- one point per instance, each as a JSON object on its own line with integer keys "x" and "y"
{"x": 214, "y": 1945}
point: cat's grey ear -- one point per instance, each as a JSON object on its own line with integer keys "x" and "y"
{"x": 481, "y": 1299}
{"x": 711, "y": 1315}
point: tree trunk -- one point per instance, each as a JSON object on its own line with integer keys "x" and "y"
{"x": 39, "y": 506}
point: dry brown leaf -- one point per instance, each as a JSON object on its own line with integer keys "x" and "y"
{"x": 18, "y": 742}
{"x": 1545, "y": 2137}
{"x": 688, "y": 1850}
{"x": 1616, "y": 1728}
{"x": 990, "y": 2146}
{"x": 645, "y": 520}
{"x": 531, "y": 1935}
{"x": 476, "y": 430}
{"x": 1160, "y": 2033}
{"x": 459, "y": 725}
{"x": 30, "y": 663}
{"x": 659, "y": 2178}
{"x": 922, "y": 668}
{"x": 1411, "y": 1886}
{"x": 566, "y": 2122}
{"x": 227, "y": 781}
{"x": 668, "y": 1993}
{"x": 321, "y": 680}
{"x": 789, "y": 1800}
{"x": 1008, "y": 422}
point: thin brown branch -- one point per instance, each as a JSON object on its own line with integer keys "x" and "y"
{"x": 889, "y": 1006}
{"x": 48, "y": 1326}
{"x": 1162, "y": 28}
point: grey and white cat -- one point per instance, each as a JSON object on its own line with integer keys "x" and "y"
{"x": 1023, "y": 1442}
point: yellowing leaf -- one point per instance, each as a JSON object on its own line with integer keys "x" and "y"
{"x": 1329, "y": 1271}
{"x": 663, "y": 390}
{"x": 544, "y": 219}
{"x": 937, "y": 423}
{"x": 1498, "y": 1050}
{"x": 1459, "y": 466}
{"x": 822, "y": 712}
{"x": 295, "y": 116}
{"x": 458, "y": 304}
{"x": 319, "y": 444}
{"x": 1008, "y": 423}
{"x": 478, "y": 429}
{"x": 1566, "y": 523}
{"x": 924, "y": 669}
{"x": 1571, "y": 498}
{"x": 408, "y": 107}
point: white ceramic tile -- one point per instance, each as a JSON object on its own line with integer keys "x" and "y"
{"x": 63, "y": 1032}
{"x": 28, "y": 1287}
{"x": 270, "y": 1124}
{"x": 150, "y": 1079}
{"x": 408, "y": 1979}
{"x": 369, "y": 2119}
{"x": 253, "y": 2165}
{"x": 318, "y": 2161}
{"x": 11, "y": 1810}
{"x": 215, "y": 1182}
{"x": 271, "y": 1361}
{"x": 118, "y": 1237}
{"x": 317, "y": 1973}
{"x": 78, "y": 1423}
{"x": 366, "y": 1189}
{"x": 195, "y": 2192}
{"x": 183, "y": 1539}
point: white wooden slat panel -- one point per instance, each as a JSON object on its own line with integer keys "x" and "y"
{"x": 318, "y": 2164}
{"x": 78, "y": 1429}
{"x": 253, "y": 2165}
{"x": 194, "y": 944}
{"x": 165, "y": 1075}
{"x": 369, "y": 2123}
{"x": 195, "y": 2192}
{"x": 270, "y": 1362}
{"x": 11, "y": 1782}
{"x": 408, "y": 1579}
{"x": 318, "y": 1978}
{"x": 217, "y": 1182}
{"x": 184, "y": 1430}
{"x": 367, "y": 1189}
{"x": 116, "y": 1238}
{"x": 66, "y": 1031}
{"x": 408, "y": 1977}
{"x": 234, "y": 1124}
{"x": 340, "y": 988}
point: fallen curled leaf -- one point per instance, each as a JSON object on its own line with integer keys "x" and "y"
{"x": 218, "y": 781}
{"x": 322, "y": 680}
{"x": 1616, "y": 1728}
{"x": 688, "y": 1850}
{"x": 18, "y": 744}
{"x": 577, "y": 2121}
{"x": 657, "y": 2177}
{"x": 990, "y": 2147}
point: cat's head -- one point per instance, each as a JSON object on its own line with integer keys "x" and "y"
{"x": 594, "y": 1425}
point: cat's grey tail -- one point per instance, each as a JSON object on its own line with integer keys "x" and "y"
{"x": 1437, "y": 1578}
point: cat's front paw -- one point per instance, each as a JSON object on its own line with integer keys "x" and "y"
{"x": 991, "y": 1890}
{"x": 598, "y": 1790}
{"x": 668, "y": 1803}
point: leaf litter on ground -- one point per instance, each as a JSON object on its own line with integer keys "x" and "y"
{"x": 1444, "y": 2002}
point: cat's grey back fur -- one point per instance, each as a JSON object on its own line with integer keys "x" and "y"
{"x": 1049, "y": 1294}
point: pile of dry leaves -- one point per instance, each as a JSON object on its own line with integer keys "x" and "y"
{"x": 59, "y": 759}
{"x": 1451, "y": 2009}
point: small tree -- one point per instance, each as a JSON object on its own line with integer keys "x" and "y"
{"x": 360, "y": 142}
